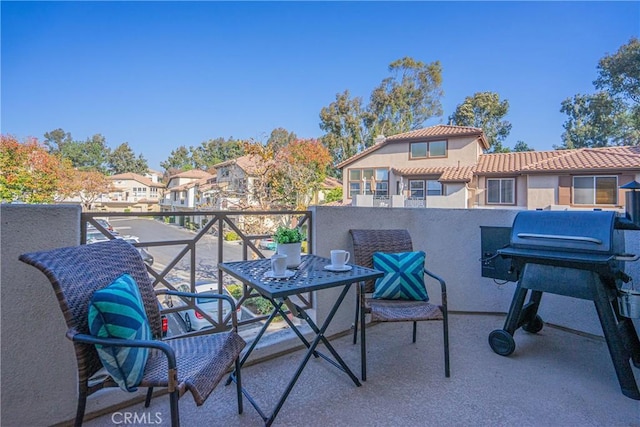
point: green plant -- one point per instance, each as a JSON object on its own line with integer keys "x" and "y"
{"x": 285, "y": 235}
{"x": 235, "y": 290}
{"x": 231, "y": 235}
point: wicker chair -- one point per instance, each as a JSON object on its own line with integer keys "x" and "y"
{"x": 365, "y": 244}
{"x": 195, "y": 363}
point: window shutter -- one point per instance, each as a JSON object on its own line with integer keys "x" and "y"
{"x": 564, "y": 190}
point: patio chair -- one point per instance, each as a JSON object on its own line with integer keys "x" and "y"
{"x": 195, "y": 363}
{"x": 365, "y": 244}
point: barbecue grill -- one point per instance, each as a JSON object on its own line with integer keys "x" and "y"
{"x": 578, "y": 254}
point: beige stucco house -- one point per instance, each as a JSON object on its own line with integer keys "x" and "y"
{"x": 444, "y": 166}
{"x": 134, "y": 192}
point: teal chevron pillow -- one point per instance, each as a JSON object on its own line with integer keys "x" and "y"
{"x": 404, "y": 276}
{"x": 117, "y": 312}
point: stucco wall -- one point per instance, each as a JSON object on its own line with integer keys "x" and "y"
{"x": 38, "y": 363}
{"x": 542, "y": 191}
{"x": 460, "y": 152}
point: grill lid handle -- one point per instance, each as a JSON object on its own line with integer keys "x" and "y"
{"x": 560, "y": 237}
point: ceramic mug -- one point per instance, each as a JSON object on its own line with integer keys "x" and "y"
{"x": 339, "y": 257}
{"x": 279, "y": 264}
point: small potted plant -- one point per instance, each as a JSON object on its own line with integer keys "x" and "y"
{"x": 289, "y": 243}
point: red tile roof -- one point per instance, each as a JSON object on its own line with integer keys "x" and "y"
{"x": 193, "y": 173}
{"x": 135, "y": 177}
{"x": 560, "y": 160}
{"x": 447, "y": 173}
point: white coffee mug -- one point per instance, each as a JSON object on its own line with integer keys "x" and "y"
{"x": 279, "y": 264}
{"x": 339, "y": 257}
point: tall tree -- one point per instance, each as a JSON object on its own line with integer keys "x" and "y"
{"x": 405, "y": 100}
{"x": 485, "y": 110}
{"x": 304, "y": 166}
{"x": 343, "y": 122}
{"x": 214, "y": 151}
{"x": 596, "y": 120}
{"x": 91, "y": 154}
{"x": 402, "y": 102}
{"x": 123, "y": 159}
{"x": 280, "y": 137}
{"x": 610, "y": 116}
{"x": 28, "y": 173}
{"x": 179, "y": 159}
{"x": 522, "y": 146}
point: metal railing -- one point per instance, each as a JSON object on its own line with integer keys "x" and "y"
{"x": 248, "y": 227}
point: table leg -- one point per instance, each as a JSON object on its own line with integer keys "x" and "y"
{"x": 319, "y": 337}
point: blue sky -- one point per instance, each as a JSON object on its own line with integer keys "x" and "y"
{"x": 163, "y": 74}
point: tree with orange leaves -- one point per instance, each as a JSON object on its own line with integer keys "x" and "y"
{"x": 28, "y": 173}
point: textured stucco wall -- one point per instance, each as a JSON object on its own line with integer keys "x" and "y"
{"x": 38, "y": 363}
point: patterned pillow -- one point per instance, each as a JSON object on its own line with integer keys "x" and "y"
{"x": 117, "y": 312}
{"x": 404, "y": 276}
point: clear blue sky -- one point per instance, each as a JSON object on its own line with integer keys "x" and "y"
{"x": 163, "y": 74}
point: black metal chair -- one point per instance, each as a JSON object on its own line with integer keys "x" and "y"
{"x": 365, "y": 244}
{"x": 195, "y": 364}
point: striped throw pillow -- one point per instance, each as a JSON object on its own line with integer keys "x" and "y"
{"x": 117, "y": 312}
{"x": 404, "y": 276}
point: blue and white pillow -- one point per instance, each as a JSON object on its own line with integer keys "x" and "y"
{"x": 404, "y": 276}
{"x": 117, "y": 311}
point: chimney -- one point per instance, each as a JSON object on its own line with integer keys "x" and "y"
{"x": 379, "y": 139}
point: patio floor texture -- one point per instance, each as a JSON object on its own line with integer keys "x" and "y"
{"x": 554, "y": 378}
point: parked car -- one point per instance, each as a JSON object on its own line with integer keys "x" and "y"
{"x": 144, "y": 252}
{"x": 268, "y": 244}
{"x": 193, "y": 320}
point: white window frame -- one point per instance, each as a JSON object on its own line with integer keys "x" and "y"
{"x": 500, "y": 192}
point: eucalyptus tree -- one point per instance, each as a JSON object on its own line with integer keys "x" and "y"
{"x": 400, "y": 103}
{"x": 485, "y": 110}
{"x": 87, "y": 155}
{"x": 405, "y": 100}
{"x": 123, "y": 159}
{"x": 610, "y": 116}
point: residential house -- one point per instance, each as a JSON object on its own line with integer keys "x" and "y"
{"x": 444, "y": 166}
{"x": 237, "y": 182}
{"x": 133, "y": 192}
{"x": 182, "y": 193}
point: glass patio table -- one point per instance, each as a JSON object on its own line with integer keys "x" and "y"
{"x": 311, "y": 275}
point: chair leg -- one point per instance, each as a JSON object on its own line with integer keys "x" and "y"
{"x": 82, "y": 404}
{"x": 415, "y": 327}
{"x": 238, "y": 385}
{"x": 147, "y": 400}
{"x": 363, "y": 345}
{"x": 355, "y": 323}
{"x": 445, "y": 327}
{"x": 174, "y": 396}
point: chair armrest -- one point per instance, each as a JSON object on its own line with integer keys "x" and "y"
{"x": 443, "y": 285}
{"x": 117, "y": 342}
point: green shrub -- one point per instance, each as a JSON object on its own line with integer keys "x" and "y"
{"x": 235, "y": 290}
{"x": 231, "y": 235}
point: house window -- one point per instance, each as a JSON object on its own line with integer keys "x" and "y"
{"x": 501, "y": 191}
{"x": 416, "y": 189}
{"x": 595, "y": 190}
{"x": 434, "y": 188}
{"x": 368, "y": 181}
{"x": 423, "y": 150}
{"x": 153, "y": 191}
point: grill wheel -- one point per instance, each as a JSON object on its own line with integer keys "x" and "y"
{"x": 534, "y": 326}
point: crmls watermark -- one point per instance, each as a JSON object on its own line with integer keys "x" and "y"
{"x": 136, "y": 418}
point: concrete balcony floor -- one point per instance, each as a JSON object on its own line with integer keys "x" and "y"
{"x": 554, "y": 378}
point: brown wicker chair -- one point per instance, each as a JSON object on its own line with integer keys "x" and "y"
{"x": 196, "y": 363}
{"x": 365, "y": 243}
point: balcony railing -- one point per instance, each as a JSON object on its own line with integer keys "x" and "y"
{"x": 195, "y": 257}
